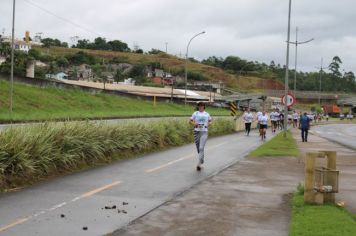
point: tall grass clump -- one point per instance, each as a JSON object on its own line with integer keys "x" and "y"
{"x": 30, "y": 153}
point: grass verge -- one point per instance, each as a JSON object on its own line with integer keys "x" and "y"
{"x": 278, "y": 146}
{"x": 35, "y": 152}
{"x": 43, "y": 104}
{"x": 320, "y": 220}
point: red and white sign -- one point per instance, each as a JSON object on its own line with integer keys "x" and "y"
{"x": 290, "y": 100}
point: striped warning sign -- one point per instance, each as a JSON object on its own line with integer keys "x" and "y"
{"x": 233, "y": 108}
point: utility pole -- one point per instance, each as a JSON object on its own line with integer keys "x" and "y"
{"x": 320, "y": 76}
{"x": 286, "y": 87}
{"x": 166, "y": 46}
{"x": 296, "y": 58}
{"x": 12, "y": 57}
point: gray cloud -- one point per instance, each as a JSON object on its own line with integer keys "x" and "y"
{"x": 250, "y": 29}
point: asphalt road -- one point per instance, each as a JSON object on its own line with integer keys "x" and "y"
{"x": 66, "y": 205}
{"x": 344, "y": 134}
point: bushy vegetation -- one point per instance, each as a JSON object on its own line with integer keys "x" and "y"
{"x": 34, "y": 152}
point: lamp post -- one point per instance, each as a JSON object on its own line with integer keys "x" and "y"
{"x": 186, "y": 65}
{"x": 296, "y": 58}
{"x": 12, "y": 57}
{"x": 320, "y": 74}
{"x": 286, "y": 87}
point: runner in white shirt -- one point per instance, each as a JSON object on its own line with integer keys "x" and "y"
{"x": 263, "y": 121}
{"x": 296, "y": 116}
{"x": 247, "y": 118}
{"x": 274, "y": 119}
{"x": 290, "y": 119}
{"x": 258, "y": 114}
{"x": 201, "y": 121}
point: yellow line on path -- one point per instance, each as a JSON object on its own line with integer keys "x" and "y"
{"x": 91, "y": 193}
{"x": 20, "y": 221}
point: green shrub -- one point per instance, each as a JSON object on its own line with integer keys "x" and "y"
{"x": 32, "y": 152}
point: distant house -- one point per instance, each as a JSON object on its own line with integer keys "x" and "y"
{"x": 20, "y": 45}
{"x": 128, "y": 81}
{"x": 59, "y": 76}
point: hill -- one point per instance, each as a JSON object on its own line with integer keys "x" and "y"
{"x": 176, "y": 65}
{"x": 38, "y": 104}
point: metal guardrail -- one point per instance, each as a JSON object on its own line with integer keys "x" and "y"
{"x": 310, "y": 94}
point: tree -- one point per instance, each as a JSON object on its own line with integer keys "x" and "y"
{"x": 334, "y": 66}
{"x": 81, "y": 58}
{"x": 155, "y": 51}
{"x": 34, "y": 53}
{"x": 5, "y": 49}
{"x": 119, "y": 75}
{"x": 117, "y": 45}
{"x": 137, "y": 71}
{"x": 62, "y": 62}
{"x": 100, "y": 44}
{"x": 49, "y": 42}
{"x": 140, "y": 51}
{"x": 83, "y": 43}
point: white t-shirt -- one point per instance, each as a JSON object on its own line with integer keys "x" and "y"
{"x": 295, "y": 116}
{"x": 248, "y": 117}
{"x": 263, "y": 119}
{"x": 202, "y": 119}
{"x": 258, "y": 114}
{"x": 274, "y": 116}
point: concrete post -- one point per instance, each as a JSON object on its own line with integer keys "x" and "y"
{"x": 309, "y": 193}
{"x": 331, "y": 164}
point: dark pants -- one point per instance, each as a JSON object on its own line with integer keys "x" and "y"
{"x": 304, "y": 134}
{"x": 247, "y": 128}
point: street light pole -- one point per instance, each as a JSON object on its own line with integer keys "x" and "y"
{"x": 321, "y": 71}
{"x": 12, "y": 57}
{"x": 186, "y": 65}
{"x": 296, "y": 58}
{"x": 286, "y": 87}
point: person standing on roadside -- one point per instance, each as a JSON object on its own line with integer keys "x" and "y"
{"x": 201, "y": 120}
{"x": 247, "y": 118}
{"x": 304, "y": 126}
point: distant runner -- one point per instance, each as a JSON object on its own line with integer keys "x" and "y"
{"x": 274, "y": 119}
{"x": 295, "y": 119}
{"x": 247, "y": 118}
{"x": 201, "y": 121}
{"x": 281, "y": 120}
{"x": 263, "y": 121}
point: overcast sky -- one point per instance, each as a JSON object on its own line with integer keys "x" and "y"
{"x": 251, "y": 29}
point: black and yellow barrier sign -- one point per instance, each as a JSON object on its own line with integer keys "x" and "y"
{"x": 233, "y": 108}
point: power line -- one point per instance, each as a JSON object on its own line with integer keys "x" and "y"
{"x": 62, "y": 18}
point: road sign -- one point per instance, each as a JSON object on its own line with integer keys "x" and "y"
{"x": 290, "y": 100}
{"x": 233, "y": 108}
